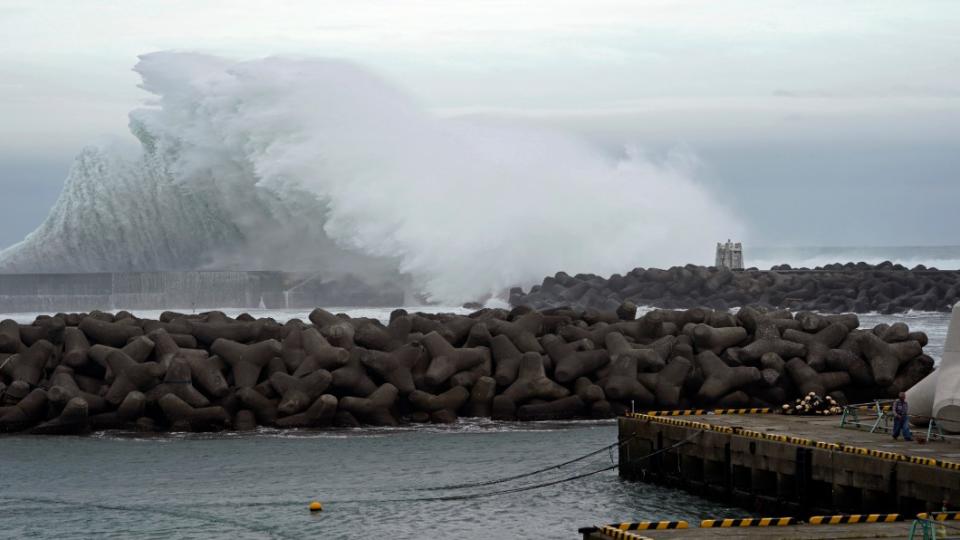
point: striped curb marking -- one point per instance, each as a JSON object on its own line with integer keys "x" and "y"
{"x": 755, "y": 410}
{"x": 650, "y": 525}
{"x": 617, "y": 534}
{"x": 854, "y": 518}
{"x": 748, "y": 522}
{"x": 940, "y": 516}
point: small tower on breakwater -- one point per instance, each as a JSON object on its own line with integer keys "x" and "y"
{"x": 730, "y": 255}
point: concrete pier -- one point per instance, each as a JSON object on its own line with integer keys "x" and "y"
{"x": 797, "y": 477}
{"x": 781, "y": 465}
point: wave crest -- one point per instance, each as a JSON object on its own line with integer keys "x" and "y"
{"x": 294, "y": 164}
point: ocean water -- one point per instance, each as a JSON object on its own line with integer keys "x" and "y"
{"x": 372, "y": 481}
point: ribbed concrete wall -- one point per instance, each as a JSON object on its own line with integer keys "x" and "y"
{"x": 182, "y": 290}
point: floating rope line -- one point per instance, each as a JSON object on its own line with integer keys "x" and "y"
{"x": 531, "y": 473}
{"x": 530, "y": 487}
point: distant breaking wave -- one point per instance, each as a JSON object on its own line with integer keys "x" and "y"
{"x": 309, "y": 164}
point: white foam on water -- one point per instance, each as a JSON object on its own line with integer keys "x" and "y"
{"x": 300, "y": 164}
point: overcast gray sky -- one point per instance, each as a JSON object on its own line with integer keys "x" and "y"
{"x": 820, "y": 122}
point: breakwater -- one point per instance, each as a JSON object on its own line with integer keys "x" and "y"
{"x": 71, "y": 373}
{"x": 837, "y": 288}
{"x": 187, "y": 290}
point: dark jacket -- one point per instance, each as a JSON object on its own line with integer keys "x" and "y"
{"x": 900, "y": 408}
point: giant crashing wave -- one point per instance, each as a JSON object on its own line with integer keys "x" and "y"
{"x": 317, "y": 164}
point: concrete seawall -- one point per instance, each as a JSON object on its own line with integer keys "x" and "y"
{"x": 184, "y": 290}
{"x": 793, "y": 466}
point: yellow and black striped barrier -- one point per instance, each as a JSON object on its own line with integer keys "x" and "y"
{"x": 679, "y": 412}
{"x": 650, "y": 525}
{"x": 754, "y": 410}
{"x": 854, "y": 518}
{"x": 699, "y": 412}
{"x": 617, "y": 534}
{"x": 939, "y": 516}
{"x": 748, "y": 522}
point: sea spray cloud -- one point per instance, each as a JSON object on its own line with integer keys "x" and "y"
{"x": 296, "y": 155}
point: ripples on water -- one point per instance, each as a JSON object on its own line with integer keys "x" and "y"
{"x": 257, "y": 485}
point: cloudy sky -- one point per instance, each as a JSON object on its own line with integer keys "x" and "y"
{"x": 819, "y": 122}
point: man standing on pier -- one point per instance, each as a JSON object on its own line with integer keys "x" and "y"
{"x": 901, "y": 418}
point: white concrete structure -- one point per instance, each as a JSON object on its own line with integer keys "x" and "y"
{"x": 730, "y": 255}
{"x": 938, "y": 395}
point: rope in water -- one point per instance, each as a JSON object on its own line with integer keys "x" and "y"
{"x": 531, "y": 487}
{"x": 528, "y": 474}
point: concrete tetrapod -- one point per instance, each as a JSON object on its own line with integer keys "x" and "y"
{"x": 291, "y": 349}
{"x": 246, "y": 361}
{"x": 9, "y": 336}
{"x": 522, "y": 331}
{"x": 130, "y": 376}
{"x": 719, "y": 379}
{"x": 389, "y": 338}
{"x": 352, "y": 377}
{"x": 560, "y": 409}
{"x": 394, "y": 367}
{"x": 622, "y": 383}
{"x": 532, "y": 382}
{"x": 63, "y": 388}
{"x": 320, "y": 354}
{"x": 107, "y": 333}
{"x": 73, "y": 420}
{"x": 670, "y": 382}
{"x": 648, "y": 359}
{"x": 910, "y": 374}
{"x": 207, "y": 333}
{"x": 138, "y": 349}
{"x": 479, "y": 336}
{"x": 179, "y": 382}
{"x": 28, "y": 365}
{"x": 452, "y": 399}
{"x": 207, "y": 371}
{"x": 296, "y": 394}
{"x": 468, "y": 378}
{"x": 767, "y": 339}
{"x": 75, "y": 347}
{"x": 446, "y": 360}
{"x": 375, "y": 408}
{"x": 184, "y": 417}
{"x": 846, "y": 360}
{"x": 320, "y": 413}
{"x": 717, "y": 339}
{"x": 264, "y": 408}
{"x": 569, "y": 363}
{"x": 27, "y": 411}
{"x": 588, "y": 392}
{"x": 946, "y": 402}
{"x": 818, "y": 345}
{"x": 480, "y": 404}
{"x": 165, "y": 349}
{"x": 506, "y": 357}
{"x": 132, "y": 406}
{"x": 339, "y": 332}
{"x": 883, "y": 358}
